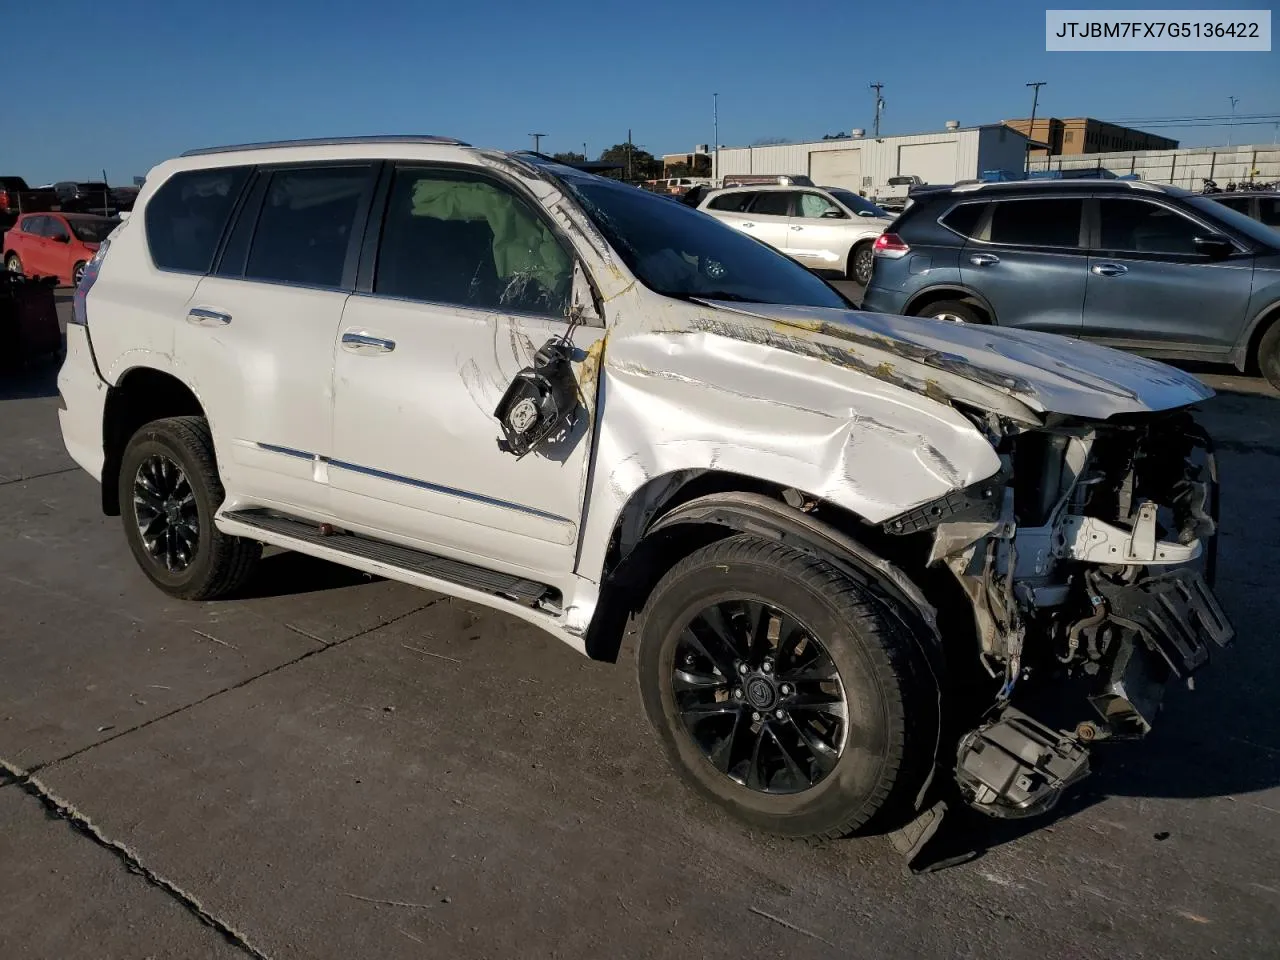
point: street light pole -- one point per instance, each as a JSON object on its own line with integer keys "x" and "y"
{"x": 1232, "y": 126}
{"x": 1031, "y": 127}
{"x": 715, "y": 134}
{"x": 537, "y": 141}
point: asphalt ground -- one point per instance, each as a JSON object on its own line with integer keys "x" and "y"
{"x": 338, "y": 766}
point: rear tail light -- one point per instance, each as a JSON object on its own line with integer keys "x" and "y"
{"x": 4, "y": 199}
{"x": 890, "y": 245}
{"x": 79, "y": 303}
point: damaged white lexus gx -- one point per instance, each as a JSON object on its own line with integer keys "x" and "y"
{"x": 875, "y": 560}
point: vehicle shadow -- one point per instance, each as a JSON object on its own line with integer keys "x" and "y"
{"x": 36, "y": 379}
{"x": 287, "y": 573}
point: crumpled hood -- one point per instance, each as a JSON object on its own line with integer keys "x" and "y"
{"x": 1046, "y": 372}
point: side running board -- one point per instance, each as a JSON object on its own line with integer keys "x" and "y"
{"x": 527, "y": 592}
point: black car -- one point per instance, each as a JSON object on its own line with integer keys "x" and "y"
{"x": 1135, "y": 265}
{"x": 86, "y": 197}
{"x": 1261, "y": 205}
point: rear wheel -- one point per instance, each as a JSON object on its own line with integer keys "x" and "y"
{"x": 1269, "y": 355}
{"x": 169, "y": 493}
{"x": 76, "y": 273}
{"x": 13, "y": 263}
{"x": 784, "y": 691}
{"x": 956, "y": 311}
{"x": 861, "y": 261}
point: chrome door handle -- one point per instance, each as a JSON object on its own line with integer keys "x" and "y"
{"x": 748, "y": 224}
{"x": 208, "y": 318}
{"x": 797, "y": 228}
{"x": 1109, "y": 269}
{"x": 984, "y": 259}
{"x": 363, "y": 343}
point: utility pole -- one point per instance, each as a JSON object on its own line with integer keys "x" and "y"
{"x": 1031, "y": 127}
{"x": 628, "y": 154}
{"x": 584, "y": 151}
{"x": 1231, "y": 128}
{"x": 537, "y": 141}
{"x": 877, "y": 87}
{"x": 715, "y": 134}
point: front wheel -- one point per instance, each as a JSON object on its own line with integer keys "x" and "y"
{"x": 13, "y": 263}
{"x": 784, "y": 691}
{"x": 77, "y": 273}
{"x": 169, "y": 493}
{"x": 861, "y": 262}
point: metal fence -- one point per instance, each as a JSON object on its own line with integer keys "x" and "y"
{"x": 1187, "y": 168}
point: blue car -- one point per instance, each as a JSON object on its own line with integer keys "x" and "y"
{"x": 1140, "y": 266}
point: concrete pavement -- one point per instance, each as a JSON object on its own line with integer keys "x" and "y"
{"x": 336, "y": 766}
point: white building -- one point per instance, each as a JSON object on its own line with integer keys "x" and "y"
{"x": 1188, "y": 167}
{"x": 956, "y": 153}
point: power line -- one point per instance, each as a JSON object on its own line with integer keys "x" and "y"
{"x": 1225, "y": 118}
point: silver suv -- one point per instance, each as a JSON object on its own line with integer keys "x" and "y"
{"x": 862, "y": 549}
{"x": 825, "y": 228}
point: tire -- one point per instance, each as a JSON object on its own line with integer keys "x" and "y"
{"x": 13, "y": 263}
{"x": 1269, "y": 355}
{"x": 216, "y": 564}
{"x": 861, "y": 263}
{"x": 890, "y": 696}
{"x": 76, "y": 273}
{"x": 957, "y": 311}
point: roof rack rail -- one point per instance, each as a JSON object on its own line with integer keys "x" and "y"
{"x": 325, "y": 142}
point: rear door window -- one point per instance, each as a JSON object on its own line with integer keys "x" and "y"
{"x": 964, "y": 218}
{"x": 1139, "y": 226}
{"x": 1236, "y": 203}
{"x": 307, "y": 224}
{"x": 34, "y": 226}
{"x": 56, "y": 229}
{"x": 772, "y": 203}
{"x": 732, "y": 202}
{"x": 1039, "y": 222}
{"x": 187, "y": 215}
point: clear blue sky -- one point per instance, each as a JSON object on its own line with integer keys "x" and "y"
{"x": 124, "y": 84}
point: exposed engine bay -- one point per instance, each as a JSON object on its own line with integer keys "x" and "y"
{"x": 1087, "y": 562}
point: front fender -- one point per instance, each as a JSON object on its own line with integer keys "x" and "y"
{"x": 695, "y": 401}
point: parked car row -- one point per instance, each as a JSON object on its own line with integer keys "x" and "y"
{"x": 870, "y": 554}
{"x": 17, "y": 198}
{"x": 1148, "y": 268}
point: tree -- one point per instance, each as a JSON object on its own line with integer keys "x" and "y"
{"x": 643, "y": 164}
{"x": 569, "y": 157}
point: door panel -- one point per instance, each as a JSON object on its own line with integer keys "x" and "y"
{"x": 769, "y": 218}
{"x": 837, "y": 168}
{"x": 1147, "y": 283}
{"x": 1028, "y": 259}
{"x": 35, "y": 259}
{"x": 820, "y": 233}
{"x": 416, "y": 443}
{"x": 470, "y": 280}
{"x": 265, "y": 377}
{"x": 258, "y": 347}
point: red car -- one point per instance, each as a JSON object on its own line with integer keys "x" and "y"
{"x": 54, "y": 244}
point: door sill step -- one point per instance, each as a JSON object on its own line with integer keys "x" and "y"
{"x": 529, "y": 593}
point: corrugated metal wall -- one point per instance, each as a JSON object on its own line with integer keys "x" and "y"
{"x": 1183, "y": 168}
{"x": 878, "y": 161}
{"x": 1000, "y": 148}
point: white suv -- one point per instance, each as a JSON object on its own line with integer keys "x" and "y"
{"x": 570, "y": 400}
{"x": 825, "y": 228}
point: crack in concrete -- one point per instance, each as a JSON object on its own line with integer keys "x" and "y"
{"x": 5, "y": 480}
{"x": 12, "y": 775}
{"x": 235, "y": 686}
{"x": 62, "y": 810}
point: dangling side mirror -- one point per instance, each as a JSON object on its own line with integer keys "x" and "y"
{"x": 540, "y": 401}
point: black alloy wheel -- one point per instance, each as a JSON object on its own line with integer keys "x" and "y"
{"x": 164, "y": 507}
{"x": 760, "y": 696}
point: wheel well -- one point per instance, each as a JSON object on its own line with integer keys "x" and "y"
{"x": 930, "y": 297}
{"x": 141, "y": 396}
{"x": 1269, "y": 319}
